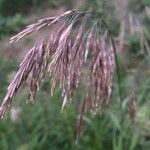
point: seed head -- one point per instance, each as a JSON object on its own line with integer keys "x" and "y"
{"x": 69, "y": 49}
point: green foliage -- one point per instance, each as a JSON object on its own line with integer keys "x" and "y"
{"x": 42, "y": 126}
{"x": 11, "y": 25}
{"x": 6, "y": 66}
{"x": 134, "y": 44}
{"x": 138, "y": 5}
{"x": 11, "y": 7}
{"x": 54, "y": 3}
{"x": 12, "y": 12}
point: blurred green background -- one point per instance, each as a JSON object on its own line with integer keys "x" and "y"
{"x": 41, "y": 126}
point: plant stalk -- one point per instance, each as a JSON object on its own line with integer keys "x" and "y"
{"x": 120, "y": 89}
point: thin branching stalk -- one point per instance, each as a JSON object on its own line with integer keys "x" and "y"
{"x": 119, "y": 81}
{"x": 120, "y": 93}
{"x": 70, "y": 47}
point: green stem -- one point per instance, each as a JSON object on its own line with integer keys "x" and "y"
{"x": 120, "y": 89}
{"x": 120, "y": 93}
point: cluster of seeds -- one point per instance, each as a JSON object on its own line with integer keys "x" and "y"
{"x": 69, "y": 47}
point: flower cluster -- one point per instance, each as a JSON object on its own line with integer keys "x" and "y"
{"x": 69, "y": 47}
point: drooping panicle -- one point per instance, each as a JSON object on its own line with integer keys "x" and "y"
{"x": 68, "y": 50}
